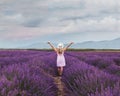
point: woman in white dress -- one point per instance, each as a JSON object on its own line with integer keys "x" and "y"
{"x": 60, "y": 55}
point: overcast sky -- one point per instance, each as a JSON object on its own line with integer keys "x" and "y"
{"x": 24, "y": 22}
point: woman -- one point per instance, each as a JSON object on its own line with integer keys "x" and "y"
{"x": 60, "y": 55}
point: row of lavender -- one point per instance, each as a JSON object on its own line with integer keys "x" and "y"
{"x": 106, "y": 61}
{"x": 92, "y": 73}
{"x": 86, "y": 74}
{"x": 25, "y": 73}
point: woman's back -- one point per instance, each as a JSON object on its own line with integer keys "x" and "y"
{"x": 60, "y": 51}
{"x": 60, "y": 56}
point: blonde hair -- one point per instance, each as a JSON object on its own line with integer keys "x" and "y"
{"x": 60, "y": 46}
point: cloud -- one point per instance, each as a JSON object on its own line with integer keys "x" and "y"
{"x": 28, "y": 19}
{"x": 11, "y": 19}
{"x": 26, "y": 33}
{"x": 44, "y": 11}
{"x": 106, "y": 24}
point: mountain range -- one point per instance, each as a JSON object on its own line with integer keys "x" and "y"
{"x": 106, "y": 44}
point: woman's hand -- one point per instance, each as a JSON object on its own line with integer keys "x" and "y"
{"x": 71, "y": 42}
{"x": 52, "y": 46}
{"x": 48, "y": 42}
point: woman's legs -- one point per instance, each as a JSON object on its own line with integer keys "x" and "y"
{"x": 60, "y": 70}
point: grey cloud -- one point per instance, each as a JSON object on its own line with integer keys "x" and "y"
{"x": 74, "y": 18}
{"x": 60, "y": 12}
{"x": 68, "y": 20}
{"x": 67, "y": 6}
{"x": 32, "y": 23}
{"x": 32, "y": 16}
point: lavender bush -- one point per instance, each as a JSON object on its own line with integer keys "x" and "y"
{"x": 31, "y": 73}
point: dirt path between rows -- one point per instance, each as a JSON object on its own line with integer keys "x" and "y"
{"x": 60, "y": 85}
{"x": 58, "y": 81}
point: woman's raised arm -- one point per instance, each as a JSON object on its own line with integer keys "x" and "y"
{"x": 68, "y": 46}
{"x": 52, "y": 46}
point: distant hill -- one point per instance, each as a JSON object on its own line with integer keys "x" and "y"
{"x": 106, "y": 44}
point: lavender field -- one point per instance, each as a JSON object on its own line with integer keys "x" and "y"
{"x": 33, "y": 73}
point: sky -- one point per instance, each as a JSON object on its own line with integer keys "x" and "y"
{"x": 25, "y": 22}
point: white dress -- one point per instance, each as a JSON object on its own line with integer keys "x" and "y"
{"x": 60, "y": 60}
